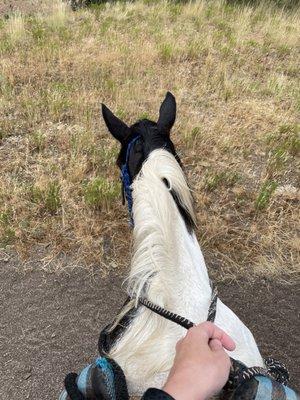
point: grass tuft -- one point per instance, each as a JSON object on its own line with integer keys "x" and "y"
{"x": 58, "y": 16}
{"x": 225, "y": 179}
{"x": 100, "y": 194}
{"x": 166, "y": 52}
{"x": 265, "y": 194}
{"x": 7, "y": 233}
{"x": 283, "y": 145}
{"x": 38, "y": 140}
{"x": 16, "y": 28}
{"x": 47, "y": 197}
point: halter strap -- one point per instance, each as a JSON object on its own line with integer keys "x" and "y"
{"x": 127, "y": 181}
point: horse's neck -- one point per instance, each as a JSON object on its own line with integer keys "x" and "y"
{"x": 183, "y": 286}
{"x": 168, "y": 264}
{"x": 193, "y": 291}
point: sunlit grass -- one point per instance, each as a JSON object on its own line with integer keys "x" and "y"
{"x": 16, "y": 28}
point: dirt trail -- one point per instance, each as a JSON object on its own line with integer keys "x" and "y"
{"x": 50, "y": 324}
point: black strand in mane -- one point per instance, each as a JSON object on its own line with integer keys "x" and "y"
{"x": 188, "y": 220}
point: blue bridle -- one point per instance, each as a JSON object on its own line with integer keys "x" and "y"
{"x": 127, "y": 181}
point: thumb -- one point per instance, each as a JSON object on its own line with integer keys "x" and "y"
{"x": 215, "y": 345}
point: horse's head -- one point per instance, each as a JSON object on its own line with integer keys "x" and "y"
{"x": 138, "y": 140}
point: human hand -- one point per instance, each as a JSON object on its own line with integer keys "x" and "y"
{"x": 201, "y": 365}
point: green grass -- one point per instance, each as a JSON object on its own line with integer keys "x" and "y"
{"x": 37, "y": 140}
{"x": 48, "y": 198}
{"x": 221, "y": 179}
{"x": 265, "y": 194}
{"x": 283, "y": 146}
{"x": 8, "y": 234}
{"x": 99, "y": 193}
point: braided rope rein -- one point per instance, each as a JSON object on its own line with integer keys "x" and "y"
{"x": 239, "y": 373}
{"x": 178, "y": 319}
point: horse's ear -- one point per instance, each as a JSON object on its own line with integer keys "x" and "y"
{"x": 116, "y": 127}
{"x": 167, "y": 113}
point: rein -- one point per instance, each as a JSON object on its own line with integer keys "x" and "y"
{"x": 178, "y": 319}
{"x": 239, "y": 373}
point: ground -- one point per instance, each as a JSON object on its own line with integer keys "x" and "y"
{"x": 50, "y": 323}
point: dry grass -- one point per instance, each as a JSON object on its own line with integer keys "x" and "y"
{"x": 235, "y": 73}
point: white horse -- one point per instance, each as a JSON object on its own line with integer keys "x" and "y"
{"x": 167, "y": 265}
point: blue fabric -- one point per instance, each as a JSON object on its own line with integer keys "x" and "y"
{"x": 82, "y": 380}
{"x": 126, "y": 179}
{"x": 104, "y": 379}
{"x": 290, "y": 394}
{"x": 108, "y": 374}
{"x": 63, "y": 395}
{"x": 264, "y": 389}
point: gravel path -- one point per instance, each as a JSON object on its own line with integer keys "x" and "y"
{"x": 50, "y": 324}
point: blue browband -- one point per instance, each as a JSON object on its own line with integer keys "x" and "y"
{"x": 127, "y": 181}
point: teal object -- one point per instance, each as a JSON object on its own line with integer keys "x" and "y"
{"x": 96, "y": 381}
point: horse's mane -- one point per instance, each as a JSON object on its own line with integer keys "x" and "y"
{"x": 154, "y": 212}
{"x": 155, "y": 239}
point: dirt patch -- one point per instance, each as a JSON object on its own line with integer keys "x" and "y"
{"x": 50, "y": 324}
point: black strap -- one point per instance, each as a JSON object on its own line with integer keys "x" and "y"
{"x": 212, "y": 310}
{"x": 109, "y": 336}
{"x": 239, "y": 373}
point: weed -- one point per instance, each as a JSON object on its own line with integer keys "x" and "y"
{"x": 52, "y": 197}
{"x": 5, "y": 218}
{"x": 290, "y": 137}
{"x": 283, "y": 145}
{"x": 47, "y": 197}
{"x": 192, "y": 136}
{"x": 7, "y": 233}
{"x": 265, "y": 194}
{"x": 38, "y": 140}
{"x": 99, "y": 193}
{"x": 58, "y": 17}
{"x": 166, "y": 52}
{"x": 226, "y": 178}
{"x": 16, "y": 28}
{"x": 7, "y": 237}
{"x": 144, "y": 115}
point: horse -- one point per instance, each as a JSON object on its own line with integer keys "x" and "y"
{"x": 167, "y": 266}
